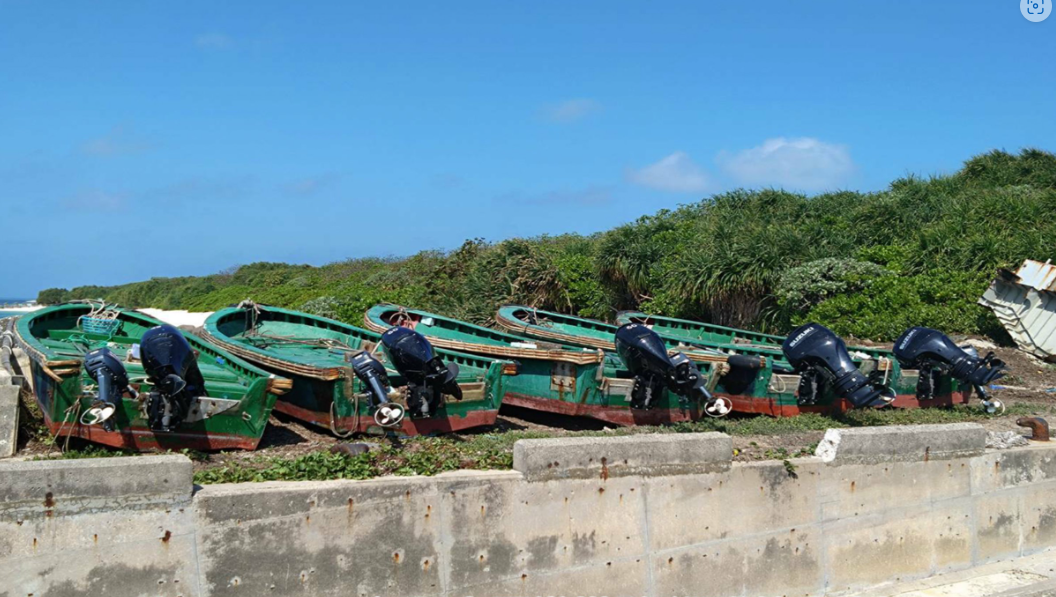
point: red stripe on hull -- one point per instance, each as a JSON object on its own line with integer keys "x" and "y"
{"x": 623, "y": 415}
{"x": 409, "y": 427}
{"x": 145, "y": 439}
{"x": 617, "y": 415}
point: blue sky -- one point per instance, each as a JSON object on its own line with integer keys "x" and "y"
{"x": 144, "y": 139}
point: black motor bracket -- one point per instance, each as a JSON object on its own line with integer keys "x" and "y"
{"x": 934, "y": 354}
{"x": 646, "y": 357}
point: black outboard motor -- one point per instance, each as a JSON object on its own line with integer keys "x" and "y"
{"x": 371, "y": 372}
{"x": 645, "y": 354}
{"x": 172, "y": 368}
{"x": 820, "y": 357}
{"x": 109, "y": 373}
{"x": 428, "y": 377}
{"x": 934, "y": 354}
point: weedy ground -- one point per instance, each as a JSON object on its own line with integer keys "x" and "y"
{"x": 292, "y": 451}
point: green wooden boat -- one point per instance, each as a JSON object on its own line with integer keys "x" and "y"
{"x": 697, "y": 331}
{"x": 232, "y": 413}
{"x": 549, "y": 376}
{"x": 879, "y": 364}
{"x": 319, "y": 356}
{"x": 709, "y": 333}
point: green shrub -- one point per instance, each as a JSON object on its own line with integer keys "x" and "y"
{"x": 804, "y": 286}
{"x": 891, "y": 304}
{"x": 52, "y": 296}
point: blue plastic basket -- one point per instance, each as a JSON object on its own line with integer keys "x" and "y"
{"x": 94, "y": 325}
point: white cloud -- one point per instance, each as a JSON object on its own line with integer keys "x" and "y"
{"x": 676, "y": 173}
{"x": 119, "y": 141}
{"x": 213, "y": 41}
{"x": 804, "y": 164}
{"x": 571, "y": 110}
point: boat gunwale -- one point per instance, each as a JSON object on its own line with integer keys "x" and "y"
{"x": 504, "y": 316}
{"x": 212, "y": 330}
{"x": 625, "y": 316}
{"x": 568, "y": 356}
{"x": 39, "y": 353}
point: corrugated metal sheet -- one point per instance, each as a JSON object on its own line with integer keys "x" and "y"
{"x": 1037, "y": 275}
{"x": 1025, "y": 304}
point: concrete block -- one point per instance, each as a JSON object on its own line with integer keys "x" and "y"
{"x": 8, "y": 420}
{"x": 854, "y": 490}
{"x": 626, "y": 578}
{"x": 865, "y": 552}
{"x": 1002, "y": 469}
{"x": 779, "y": 564}
{"x": 869, "y": 445}
{"x": 145, "y": 567}
{"x": 115, "y": 525}
{"x": 338, "y": 538}
{"x": 635, "y": 455}
{"x": 60, "y": 487}
{"x": 998, "y": 525}
{"x": 238, "y": 503}
{"x": 1039, "y": 519}
{"x": 753, "y": 497}
{"x": 501, "y": 530}
{"x": 24, "y": 367}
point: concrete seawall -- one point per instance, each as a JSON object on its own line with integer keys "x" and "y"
{"x": 670, "y": 515}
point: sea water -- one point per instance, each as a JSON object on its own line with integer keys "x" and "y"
{"x": 10, "y": 301}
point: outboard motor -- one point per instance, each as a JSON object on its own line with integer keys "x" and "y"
{"x": 371, "y": 372}
{"x": 820, "y": 357}
{"x": 934, "y": 354}
{"x": 110, "y": 375}
{"x": 645, "y": 354}
{"x": 428, "y": 377}
{"x": 172, "y": 368}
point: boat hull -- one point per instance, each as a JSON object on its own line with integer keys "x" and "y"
{"x": 325, "y": 392}
{"x": 55, "y": 342}
{"x": 203, "y": 435}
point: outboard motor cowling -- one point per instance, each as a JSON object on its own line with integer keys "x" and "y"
{"x": 821, "y": 357}
{"x": 110, "y": 375}
{"x": 428, "y": 377}
{"x": 172, "y": 367}
{"x": 645, "y": 355}
{"x": 934, "y": 354}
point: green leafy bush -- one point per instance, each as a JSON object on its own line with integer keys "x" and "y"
{"x": 758, "y": 259}
{"x": 804, "y": 286}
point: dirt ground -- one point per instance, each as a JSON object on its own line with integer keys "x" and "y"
{"x": 289, "y": 438}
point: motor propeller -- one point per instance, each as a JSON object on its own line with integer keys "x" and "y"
{"x": 645, "y": 354}
{"x": 110, "y": 375}
{"x": 428, "y": 377}
{"x": 371, "y": 372}
{"x": 820, "y": 357}
{"x": 934, "y": 354}
{"x": 172, "y": 368}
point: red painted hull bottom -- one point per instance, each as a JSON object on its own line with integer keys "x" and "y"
{"x": 409, "y": 427}
{"x": 622, "y": 415}
{"x": 144, "y": 439}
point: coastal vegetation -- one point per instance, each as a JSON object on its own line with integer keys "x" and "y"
{"x": 868, "y": 265}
